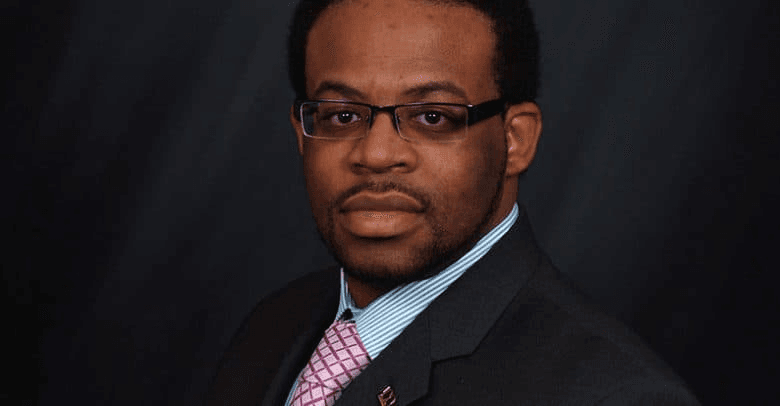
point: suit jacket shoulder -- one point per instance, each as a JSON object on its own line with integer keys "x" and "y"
{"x": 275, "y": 341}
{"x": 552, "y": 346}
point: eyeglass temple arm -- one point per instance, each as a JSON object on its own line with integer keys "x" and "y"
{"x": 485, "y": 110}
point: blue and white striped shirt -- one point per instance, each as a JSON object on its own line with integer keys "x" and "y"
{"x": 387, "y": 316}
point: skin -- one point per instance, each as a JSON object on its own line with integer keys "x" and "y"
{"x": 379, "y": 52}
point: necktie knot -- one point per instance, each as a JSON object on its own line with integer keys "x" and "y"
{"x": 339, "y": 357}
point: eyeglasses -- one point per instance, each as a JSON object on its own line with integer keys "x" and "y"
{"x": 438, "y": 122}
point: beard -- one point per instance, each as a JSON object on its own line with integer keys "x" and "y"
{"x": 423, "y": 261}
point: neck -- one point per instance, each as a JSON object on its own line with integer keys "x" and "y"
{"x": 364, "y": 293}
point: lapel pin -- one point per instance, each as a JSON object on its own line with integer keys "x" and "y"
{"x": 386, "y": 396}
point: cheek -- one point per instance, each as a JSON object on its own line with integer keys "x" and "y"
{"x": 465, "y": 178}
{"x": 320, "y": 168}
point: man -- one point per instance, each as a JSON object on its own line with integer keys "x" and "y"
{"x": 414, "y": 120}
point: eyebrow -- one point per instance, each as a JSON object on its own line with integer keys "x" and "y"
{"x": 419, "y": 91}
{"x": 341, "y": 88}
{"x": 432, "y": 87}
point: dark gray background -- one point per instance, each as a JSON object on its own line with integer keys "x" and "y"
{"x": 154, "y": 193}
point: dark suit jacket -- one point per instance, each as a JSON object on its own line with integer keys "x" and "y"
{"x": 510, "y": 331}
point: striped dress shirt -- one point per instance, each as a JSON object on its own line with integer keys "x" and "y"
{"x": 387, "y": 316}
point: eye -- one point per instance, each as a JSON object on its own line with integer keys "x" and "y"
{"x": 339, "y": 118}
{"x": 432, "y": 117}
{"x": 438, "y": 117}
{"x": 344, "y": 117}
{"x": 433, "y": 121}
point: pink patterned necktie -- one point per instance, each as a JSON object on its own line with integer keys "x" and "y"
{"x": 340, "y": 357}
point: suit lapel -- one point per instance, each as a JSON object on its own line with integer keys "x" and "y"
{"x": 404, "y": 365}
{"x": 275, "y": 341}
{"x": 462, "y": 316}
{"x": 306, "y": 319}
{"x": 453, "y": 325}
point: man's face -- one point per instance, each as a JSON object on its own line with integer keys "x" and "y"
{"x": 392, "y": 210}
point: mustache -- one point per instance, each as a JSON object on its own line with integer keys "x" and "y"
{"x": 382, "y": 187}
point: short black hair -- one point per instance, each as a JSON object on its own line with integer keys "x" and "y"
{"x": 516, "y": 60}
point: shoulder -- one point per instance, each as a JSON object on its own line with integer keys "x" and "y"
{"x": 291, "y": 307}
{"x": 552, "y": 345}
{"x": 588, "y": 351}
{"x": 547, "y": 344}
{"x": 253, "y": 359}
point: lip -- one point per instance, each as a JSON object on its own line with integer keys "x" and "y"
{"x": 384, "y": 202}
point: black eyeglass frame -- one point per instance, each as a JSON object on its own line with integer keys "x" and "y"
{"x": 476, "y": 113}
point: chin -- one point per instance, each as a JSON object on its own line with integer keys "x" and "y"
{"x": 388, "y": 265}
{"x": 388, "y": 276}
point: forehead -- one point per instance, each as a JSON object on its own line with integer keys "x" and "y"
{"x": 385, "y": 47}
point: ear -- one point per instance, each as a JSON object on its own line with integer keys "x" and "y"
{"x": 522, "y": 128}
{"x": 296, "y": 124}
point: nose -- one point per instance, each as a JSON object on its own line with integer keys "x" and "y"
{"x": 382, "y": 149}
